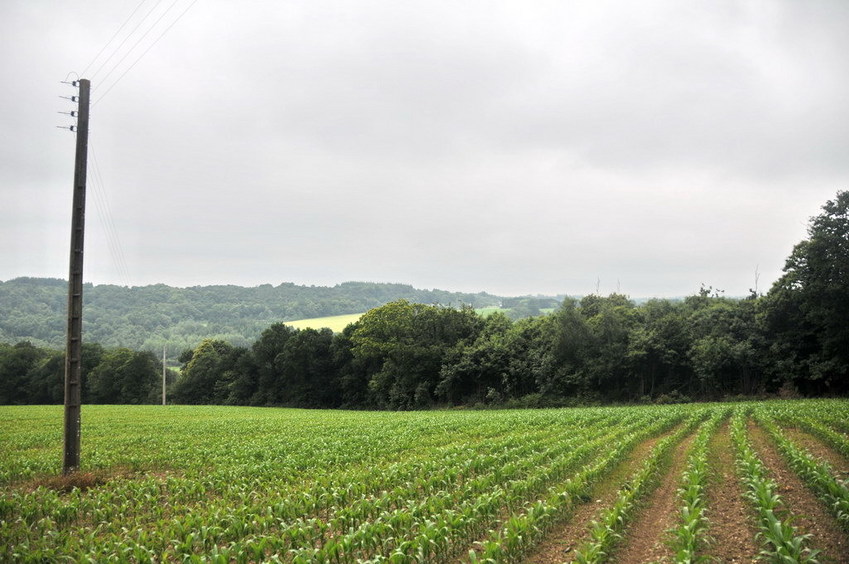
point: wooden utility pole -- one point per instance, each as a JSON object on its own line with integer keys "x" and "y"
{"x": 73, "y": 351}
{"x": 163, "y": 374}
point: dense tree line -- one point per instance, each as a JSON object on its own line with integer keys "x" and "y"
{"x": 149, "y": 317}
{"x": 406, "y": 355}
{"x": 34, "y": 375}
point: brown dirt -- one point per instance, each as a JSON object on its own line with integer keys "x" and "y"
{"x": 562, "y": 540}
{"x": 80, "y": 480}
{"x": 646, "y": 539}
{"x": 88, "y": 479}
{"x": 730, "y": 526}
{"x": 810, "y": 515}
{"x": 819, "y": 449}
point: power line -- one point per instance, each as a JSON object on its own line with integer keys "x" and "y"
{"x": 114, "y": 36}
{"x": 106, "y": 219}
{"x": 129, "y": 35}
{"x": 101, "y": 201}
{"x": 161, "y": 35}
{"x": 140, "y": 39}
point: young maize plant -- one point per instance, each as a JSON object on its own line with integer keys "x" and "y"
{"x": 377, "y": 523}
{"x": 510, "y": 543}
{"x": 431, "y": 530}
{"x": 265, "y": 507}
{"x": 783, "y": 543}
{"x": 689, "y": 534}
{"x": 834, "y": 439}
{"x": 520, "y": 530}
{"x": 606, "y": 532}
{"x": 831, "y": 413}
{"x": 818, "y": 475}
{"x": 228, "y": 484}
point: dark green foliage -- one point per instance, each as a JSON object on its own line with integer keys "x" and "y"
{"x": 806, "y": 310}
{"x": 295, "y": 368}
{"x": 16, "y": 364}
{"x": 352, "y": 373}
{"x": 726, "y": 348}
{"x": 267, "y": 354}
{"x": 657, "y": 350}
{"x": 412, "y": 356}
{"x": 148, "y": 317}
{"x": 33, "y": 375}
{"x": 407, "y": 355}
{"x": 125, "y": 376}
{"x": 309, "y": 376}
{"x": 477, "y": 372}
{"x": 610, "y": 322}
{"x": 403, "y": 345}
{"x": 46, "y": 383}
{"x": 211, "y": 375}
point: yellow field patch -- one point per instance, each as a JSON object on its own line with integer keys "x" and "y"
{"x": 335, "y": 323}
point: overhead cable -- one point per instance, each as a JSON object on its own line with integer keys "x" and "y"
{"x": 129, "y": 35}
{"x": 161, "y": 35}
{"x": 139, "y": 5}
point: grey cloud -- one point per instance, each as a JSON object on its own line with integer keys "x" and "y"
{"x": 509, "y": 147}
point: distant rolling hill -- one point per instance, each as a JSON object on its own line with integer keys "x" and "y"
{"x": 150, "y": 317}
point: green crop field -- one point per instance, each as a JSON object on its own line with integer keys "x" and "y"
{"x": 227, "y": 484}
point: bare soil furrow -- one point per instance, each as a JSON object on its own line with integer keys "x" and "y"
{"x": 646, "y": 538}
{"x": 730, "y": 526}
{"x": 810, "y": 516}
{"x": 560, "y": 543}
{"x": 819, "y": 449}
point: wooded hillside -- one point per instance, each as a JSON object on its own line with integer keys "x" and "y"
{"x": 408, "y": 355}
{"x": 148, "y": 317}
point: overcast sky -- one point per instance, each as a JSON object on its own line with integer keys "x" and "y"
{"x": 511, "y": 147}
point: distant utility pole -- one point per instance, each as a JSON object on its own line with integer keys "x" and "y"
{"x": 73, "y": 351}
{"x": 163, "y": 374}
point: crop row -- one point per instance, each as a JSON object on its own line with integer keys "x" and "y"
{"x": 179, "y": 515}
{"x": 429, "y": 528}
{"x": 783, "y": 542}
{"x": 296, "y": 486}
{"x": 607, "y": 530}
{"x": 509, "y": 543}
{"x": 690, "y": 532}
{"x": 818, "y": 474}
